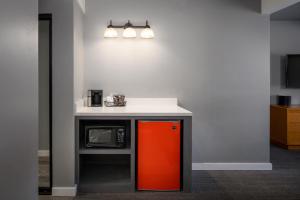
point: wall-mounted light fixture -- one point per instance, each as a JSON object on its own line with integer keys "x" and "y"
{"x": 110, "y": 32}
{"x": 129, "y": 31}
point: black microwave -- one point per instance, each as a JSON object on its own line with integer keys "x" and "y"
{"x": 105, "y": 136}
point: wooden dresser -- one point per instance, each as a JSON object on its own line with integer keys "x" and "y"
{"x": 285, "y": 126}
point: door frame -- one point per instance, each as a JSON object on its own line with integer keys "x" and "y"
{"x": 48, "y": 190}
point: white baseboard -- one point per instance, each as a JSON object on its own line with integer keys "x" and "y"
{"x": 43, "y": 153}
{"x": 64, "y": 191}
{"x": 232, "y": 166}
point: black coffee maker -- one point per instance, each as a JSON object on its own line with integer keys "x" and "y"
{"x": 95, "y": 98}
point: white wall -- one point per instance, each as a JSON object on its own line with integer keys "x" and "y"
{"x": 78, "y": 52}
{"x": 211, "y": 54}
{"x": 284, "y": 40}
{"x": 81, "y": 4}
{"x": 19, "y": 99}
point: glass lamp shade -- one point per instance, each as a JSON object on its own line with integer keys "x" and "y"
{"x": 147, "y": 33}
{"x": 110, "y": 33}
{"x": 129, "y": 33}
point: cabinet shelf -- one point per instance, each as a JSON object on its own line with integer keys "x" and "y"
{"x": 126, "y": 151}
{"x": 105, "y": 178}
{"x": 105, "y": 173}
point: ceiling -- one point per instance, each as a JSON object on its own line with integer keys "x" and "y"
{"x": 289, "y": 13}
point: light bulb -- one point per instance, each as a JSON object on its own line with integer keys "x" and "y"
{"x": 147, "y": 33}
{"x": 129, "y": 33}
{"x": 110, "y": 33}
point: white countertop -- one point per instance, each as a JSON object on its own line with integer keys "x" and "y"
{"x": 136, "y": 107}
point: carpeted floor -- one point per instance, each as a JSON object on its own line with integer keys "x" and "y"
{"x": 44, "y": 178}
{"x": 282, "y": 183}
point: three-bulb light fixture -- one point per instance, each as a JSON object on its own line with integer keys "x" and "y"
{"x": 129, "y": 31}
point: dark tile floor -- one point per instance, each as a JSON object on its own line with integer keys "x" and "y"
{"x": 282, "y": 183}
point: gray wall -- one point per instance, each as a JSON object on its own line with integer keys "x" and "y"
{"x": 63, "y": 76}
{"x": 211, "y": 54}
{"x": 78, "y": 52}
{"x": 284, "y": 40}
{"x": 19, "y": 99}
{"x": 43, "y": 85}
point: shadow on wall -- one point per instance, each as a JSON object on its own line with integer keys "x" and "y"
{"x": 251, "y": 6}
{"x": 256, "y": 6}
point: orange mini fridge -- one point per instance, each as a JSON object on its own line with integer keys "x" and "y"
{"x": 158, "y": 155}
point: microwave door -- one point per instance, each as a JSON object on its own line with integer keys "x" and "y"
{"x": 101, "y": 138}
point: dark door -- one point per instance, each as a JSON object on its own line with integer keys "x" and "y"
{"x": 45, "y": 103}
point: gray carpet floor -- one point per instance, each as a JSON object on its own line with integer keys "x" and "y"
{"x": 44, "y": 178}
{"x": 282, "y": 183}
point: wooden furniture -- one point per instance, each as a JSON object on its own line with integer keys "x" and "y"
{"x": 285, "y": 126}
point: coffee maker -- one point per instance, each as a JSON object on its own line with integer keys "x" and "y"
{"x": 95, "y": 98}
